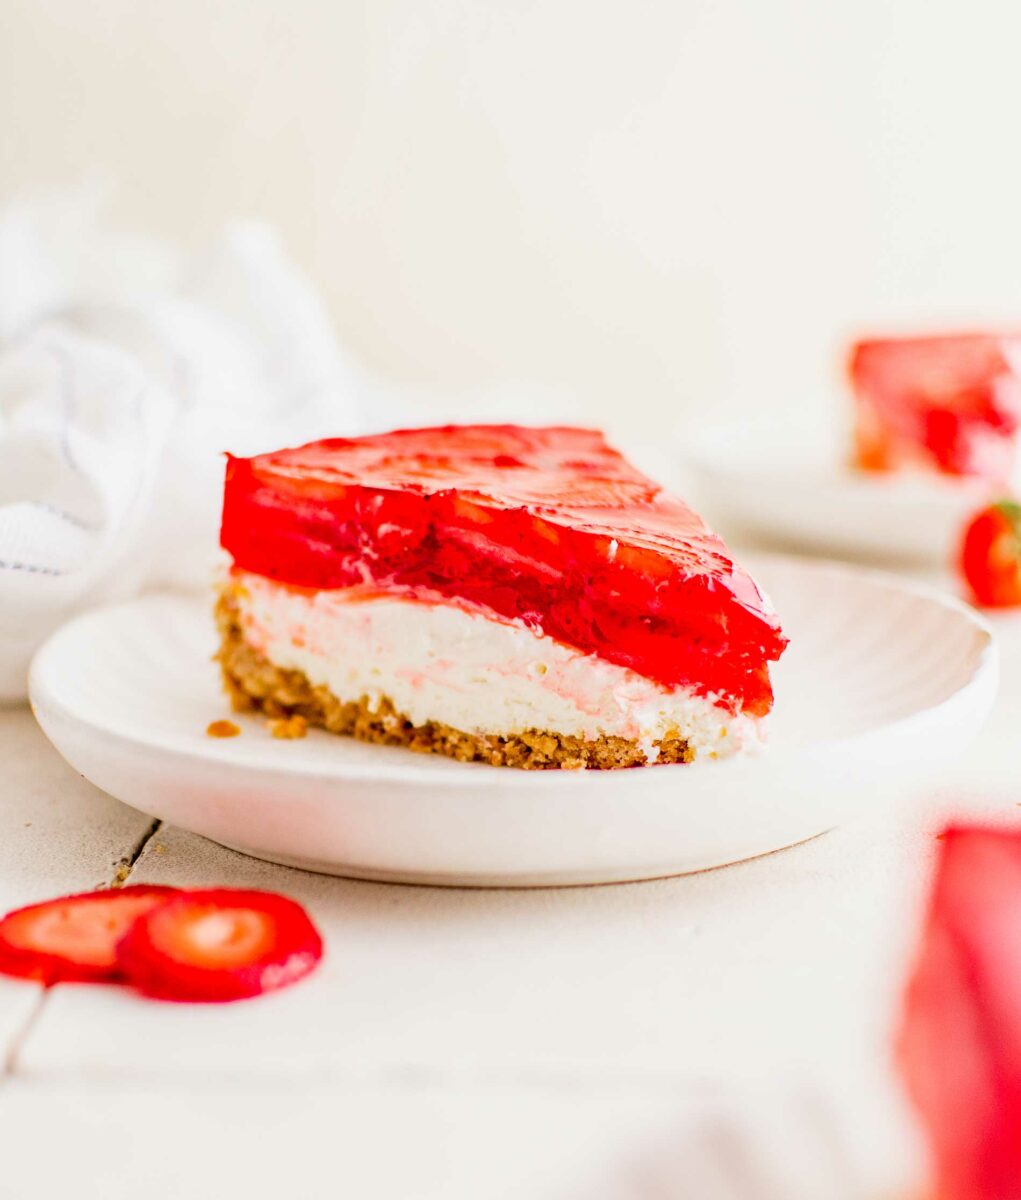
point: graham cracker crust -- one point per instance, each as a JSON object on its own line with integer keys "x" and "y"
{"x": 253, "y": 682}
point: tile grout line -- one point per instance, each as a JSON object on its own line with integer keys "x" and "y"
{"x": 123, "y": 869}
{"x": 407, "y": 1077}
{"x": 9, "y": 1067}
{"x": 126, "y": 866}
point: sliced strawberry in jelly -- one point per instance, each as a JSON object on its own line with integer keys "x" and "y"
{"x": 219, "y": 944}
{"x": 550, "y": 526}
{"x": 960, "y": 1042}
{"x": 73, "y": 938}
{"x": 950, "y": 403}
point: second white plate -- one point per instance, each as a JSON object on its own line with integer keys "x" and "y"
{"x": 790, "y": 482}
{"x": 882, "y": 683}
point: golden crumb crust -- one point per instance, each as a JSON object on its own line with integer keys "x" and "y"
{"x": 253, "y": 682}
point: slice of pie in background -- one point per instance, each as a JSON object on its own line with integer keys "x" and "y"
{"x": 945, "y": 404}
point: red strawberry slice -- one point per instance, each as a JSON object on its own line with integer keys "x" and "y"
{"x": 73, "y": 938}
{"x": 218, "y": 945}
{"x": 960, "y": 1042}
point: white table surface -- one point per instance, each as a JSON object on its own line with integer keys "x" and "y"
{"x": 581, "y": 1042}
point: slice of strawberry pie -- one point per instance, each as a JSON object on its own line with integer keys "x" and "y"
{"x": 521, "y": 597}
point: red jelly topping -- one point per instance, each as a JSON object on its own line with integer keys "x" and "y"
{"x": 551, "y": 526}
{"x": 950, "y": 403}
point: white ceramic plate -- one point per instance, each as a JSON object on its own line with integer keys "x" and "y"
{"x": 789, "y": 481}
{"x": 881, "y": 683}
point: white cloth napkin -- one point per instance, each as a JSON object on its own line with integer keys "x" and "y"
{"x": 126, "y": 370}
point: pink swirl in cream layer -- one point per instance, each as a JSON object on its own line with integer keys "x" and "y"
{"x": 436, "y": 661}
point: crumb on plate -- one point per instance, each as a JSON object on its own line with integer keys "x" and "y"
{"x": 291, "y": 727}
{"x": 222, "y": 729}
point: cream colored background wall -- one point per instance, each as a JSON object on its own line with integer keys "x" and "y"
{"x": 664, "y": 207}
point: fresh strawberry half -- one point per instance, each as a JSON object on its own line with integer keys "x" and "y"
{"x": 219, "y": 945}
{"x": 73, "y": 938}
{"x": 990, "y": 555}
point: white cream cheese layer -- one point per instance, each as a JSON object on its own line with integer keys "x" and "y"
{"x": 438, "y": 662}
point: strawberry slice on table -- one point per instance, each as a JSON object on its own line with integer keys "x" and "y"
{"x": 73, "y": 938}
{"x": 960, "y": 1041}
{"x": 219, "y": 944}
{"x": 990, "y": 556}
